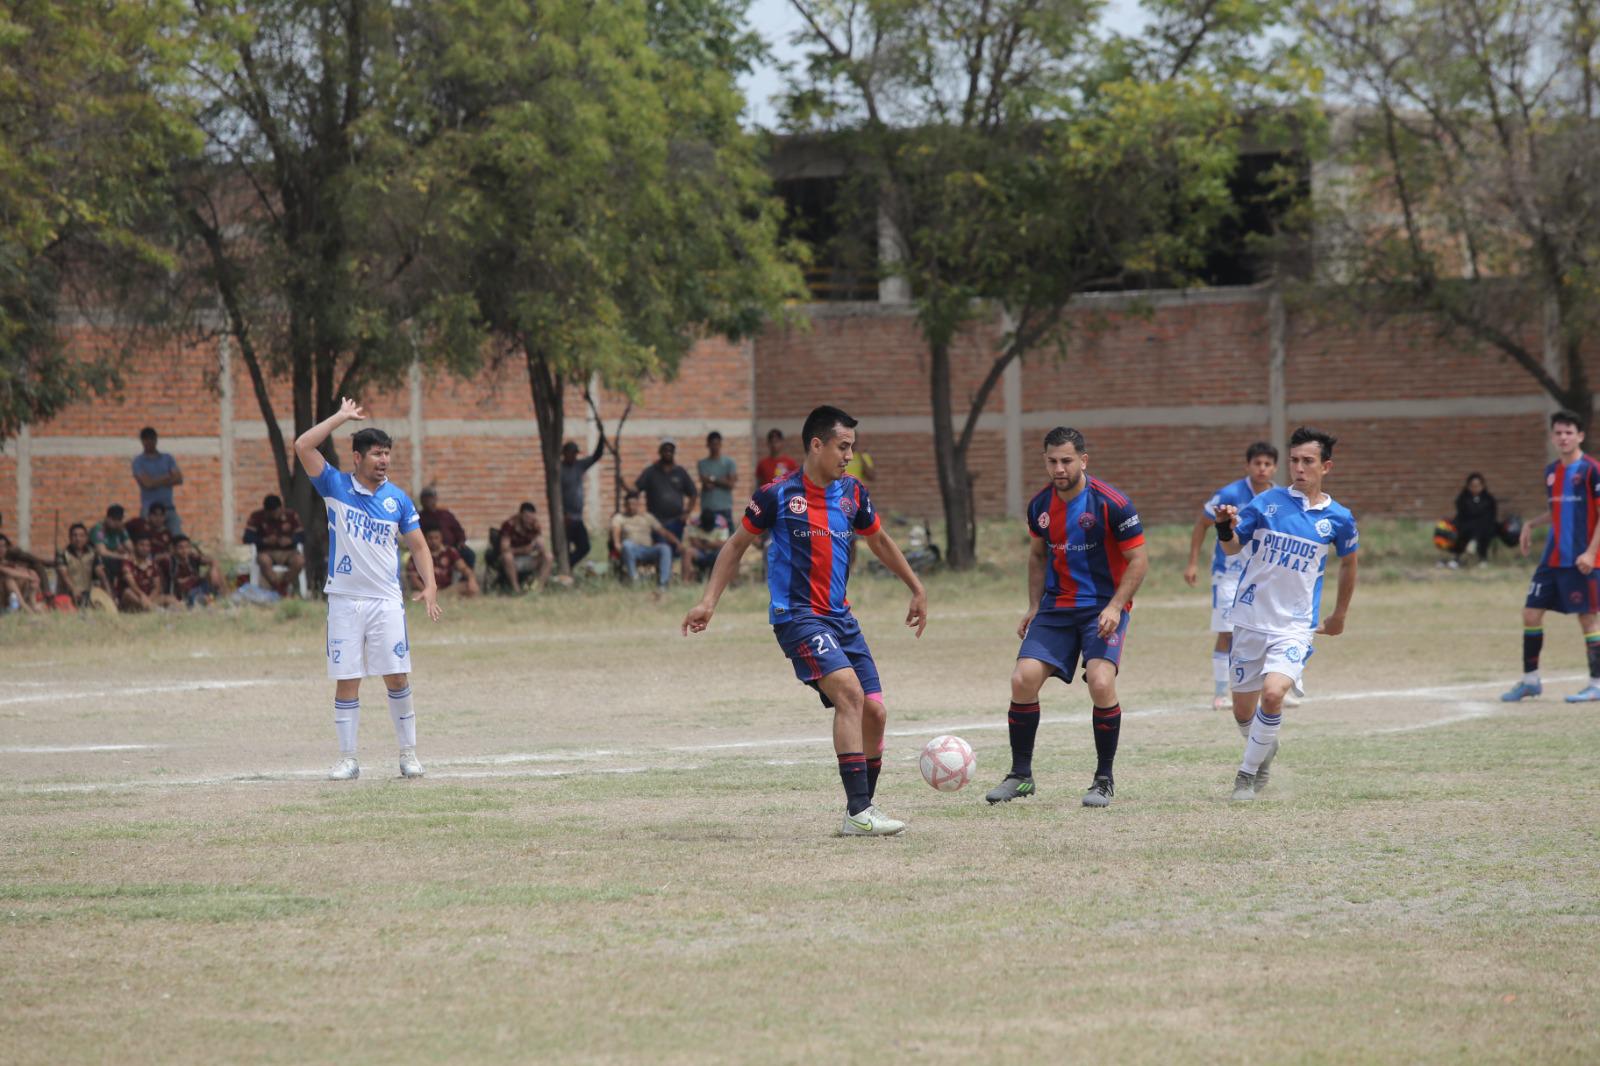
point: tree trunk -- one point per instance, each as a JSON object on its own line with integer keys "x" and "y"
{"x": 955, "y": 484}
{"x": 549, "y": 394}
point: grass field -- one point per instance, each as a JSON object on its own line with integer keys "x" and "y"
{"x": 621, "y": 852}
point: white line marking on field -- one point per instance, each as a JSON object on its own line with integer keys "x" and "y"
{"x": 113, "y": 691}
{"x": 71, "y": 749}
{"x": 1467, "y": 712}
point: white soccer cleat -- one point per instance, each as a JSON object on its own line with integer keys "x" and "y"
{"x": 870, "y": 823}
{"x": 409, "y": 766}
{"x": 1296, "y": 693}
{"x": 346, "y": 769}
{"x": 1222, "y": 703}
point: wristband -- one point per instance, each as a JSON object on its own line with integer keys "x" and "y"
{"x": 1224, "y": 531}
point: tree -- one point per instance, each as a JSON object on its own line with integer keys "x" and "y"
{"x": 1020, "y": 157}
{"x": 605, "y": 207}
{"x": 85, "y": 150}
{"x": 1469, "y": 132}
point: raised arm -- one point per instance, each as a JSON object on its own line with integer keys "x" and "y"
{"x": 307, "y": 443}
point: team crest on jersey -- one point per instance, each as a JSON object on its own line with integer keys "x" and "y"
{"x": 1248, "y": 595}
{"x": 344, "y": 566}
{"x": 389, "y": 504}
{"x": 1086, "y": 521}
{"x": 848, "y": 507}
{"x": 1324, "y": 528}
{"x": 1549, "y": 480}
{"x": 797, "y": 504}
{"x": 1272, "y": 509}
{"x": 1043, "y": 521}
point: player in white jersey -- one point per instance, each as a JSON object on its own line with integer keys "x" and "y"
{"x": 368, "y": 518}
{"x": 1260, "y": 465}
{"x": 1284, "y": 535}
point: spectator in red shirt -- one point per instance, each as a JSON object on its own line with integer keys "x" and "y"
{"x": 522, "y": 553}
{"x": 433, "y": 516}
{"x": 144, "y": 578}
{"x": 194, "y": 575}
{"x": 776, "y": 464}
{"x": 451, "y": 574}
{"x": 278, "y": 537}
{"x": 154, "y": 526}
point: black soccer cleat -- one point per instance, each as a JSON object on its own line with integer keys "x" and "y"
{"x": 1100, "y": 793}
{"x": 1013, "y": 787}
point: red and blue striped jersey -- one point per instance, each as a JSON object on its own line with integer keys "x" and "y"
{"x": 1087, "y": 538}
{"x": 808, "y": 561}
{"x": 1574, "y": 491}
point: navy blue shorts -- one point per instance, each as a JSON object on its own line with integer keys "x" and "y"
{"x": 1565, "y": 589}
{"x": 817, "y": 646}
{"x": 1062, "y": 637}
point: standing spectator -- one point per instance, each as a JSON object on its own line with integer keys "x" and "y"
{"x": 522, "y": 551}
{"x": 18, "y": 581}
{"x": 279, "y": 540}
{"x": 157, "y": 528}
{"x": 1477, "y": 519}
{"x": 79, "y": 573}
{"x": 776, "y": 464}
{"x": 194, "y": 575}
{"x": 718, "y": 475}
{"x": 435, "y": 517}
{"x": 572, "y": 471}
{"x": 669, "y": 492}
{"x": 451, "y": 574}
{"x": 634, "y": 532}
{"x": 144, "y": 579}
{"x": 111, "y": 542}
{"x": 157, "y": 473}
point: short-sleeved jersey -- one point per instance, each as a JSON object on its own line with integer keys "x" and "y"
{"x": 1285, "y": 541}
{"x": 109, "y": 539}
{"x": 444, "y": 567}
{"x": 1574, "y": 491}
{"x": 1235, "y": 494}
{"x": 808, "y": 561}
{"x": 279, "y": 530}
{"x": 1086, "y": 540}
{"x": 149, "y": 577}
{"x": 364, "y": 531}
{"x": 187, "y": 571}
{"x": 158, "y": 536}
{"x": 514, "y": 535}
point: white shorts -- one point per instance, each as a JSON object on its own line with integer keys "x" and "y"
{"x": 1256, "y": 654}
{"x": 366, "y": 637}
{"x": 1224, "y": 587}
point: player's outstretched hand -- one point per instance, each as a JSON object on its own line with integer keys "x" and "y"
{"x": 697, "y": 619}
{"x": 1332, "y": 625}
{"x": 1109, "y": 620}
{"x": 1227, "y": 512}
{"x": 431, "y": 598}
{"x": 1191, "y": 574}
{"x": 351, "y": 410}
{"x": 917, "y": 615}
{"x": 1022, "y": 626}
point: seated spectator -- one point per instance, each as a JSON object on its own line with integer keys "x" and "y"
{"x": 451, "y": 575}
{"x": 194, "y": 575}
{"x": 279, "y": 540}
{"x": 522, "y": 552}
{"x": 111, "y": 542}
{"x": 155, "y": 526}
{"x": 633, "y": 532}
{"x": 18, "y": 582}
{"x": 80, "y": 574}
{"x": 704, "y": 544}
{"x": 433, "y": 516}
{"x": 144, "y": 578}
{"x": 1477, "y": 519}
{"x": 18, "y": 557}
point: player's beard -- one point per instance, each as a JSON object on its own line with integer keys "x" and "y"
{"x": 1071, "y": 485}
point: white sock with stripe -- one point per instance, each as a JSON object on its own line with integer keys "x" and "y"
{"x": 346, "y": 718}
{"x": 1263, "y": 732}
{"x": 405, "y": 719}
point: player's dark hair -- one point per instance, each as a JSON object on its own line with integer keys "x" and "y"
{"x": 370, "y": 438}
{"x": 271, "y": 503}
{"x": 1564, "y": 417}
{"x": 181, "y": 538}
{"x": 631, "y": 495}
{"x": 821, "y": 424}
{"x": 713, "y": 435}
{"x": 147, "y": 432}
{"x": 1307, "y": 435}
{"x": 158, "y": 504}
{"x": 1260, "y": 447}
{"x": 570, "y": 446}
{"x": 138, "y": 534}
{"x": 1063, "y": 435}
{"x": 528, "y": 506}
{"x": 115, "y": 511}
{"x": 77, "y": 525}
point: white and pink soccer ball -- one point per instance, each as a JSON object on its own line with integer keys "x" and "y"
{"x": 947, "y": 763}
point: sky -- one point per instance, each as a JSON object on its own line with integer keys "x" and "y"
{"x": 776, "y": 20}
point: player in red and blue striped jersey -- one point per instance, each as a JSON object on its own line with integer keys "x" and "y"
{"x": 1087, "y": 561}
{"x": 813, "y": 515}
{"x": 1565, "y": 580}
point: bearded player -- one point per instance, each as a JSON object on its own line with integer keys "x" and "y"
{"x": 368, "y": 518}
{"x": 813, "y": 515}
{"x": 1086, "y": 562}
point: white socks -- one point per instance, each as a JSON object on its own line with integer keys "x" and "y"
{"x": 1531, "y": 679}
{"x": 405, "y": 719}
{"x": 1219, "y": 672}
{"x": 346, "y": 717}
{"x": 1263, "y": 733}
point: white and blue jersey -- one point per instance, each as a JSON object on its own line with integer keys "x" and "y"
{"x": 1236, "y": 494}
{"x": 1285, "y": 541}
{"x": 364, "y": 531}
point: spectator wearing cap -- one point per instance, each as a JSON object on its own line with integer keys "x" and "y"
{"x": 774, "y": 464}
{"x": 522, "y": 551}
{"x": 111, "y": 542}
{"x": 669, "y": 492}
{"x": 572, "y": 471}
{"x": 157, "y": 474}
{"x": 718, "y": 475}
{"x": 279, "y": 540}
{"x": 435, "y": 517}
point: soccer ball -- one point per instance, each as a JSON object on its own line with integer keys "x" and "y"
{"x": 947, "y": 763}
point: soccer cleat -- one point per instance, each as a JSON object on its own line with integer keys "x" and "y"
{"x": 346, "y": 769}
{"x": 1100, "y": 793}
{"x": 1522, "y": 690}
{"x": 870, "y": 823}
{"x": 1222, "y": 703}
{"x": 409, "y": 766}
{"x": 1013, "y": 787}
{"x": 1296, "y": 693}
{"x": 1589, "y": 695}
{"x": 1244, "y": 787}
{"x": 1264, "y": 771}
